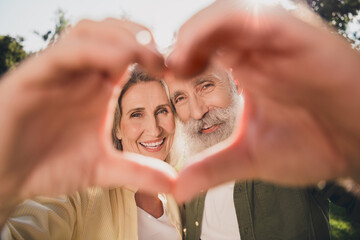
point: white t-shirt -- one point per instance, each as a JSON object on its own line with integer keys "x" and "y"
{"x": 219, "y": 220}
{"x": 160, "y": 228}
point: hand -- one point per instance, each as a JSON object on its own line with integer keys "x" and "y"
{"x": 301, "y": 90}
{"x": 57, "y": 111}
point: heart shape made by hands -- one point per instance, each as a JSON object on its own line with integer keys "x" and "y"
{"x": 299, "y": 123}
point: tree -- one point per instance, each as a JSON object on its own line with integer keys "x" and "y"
{"x": 11, "y": 52}
{"x": 337, "y": 12}
{"x": 62, "y": 23}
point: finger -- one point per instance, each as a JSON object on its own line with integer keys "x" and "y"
{"x": 148, "y": 174}
{"x": 122, "y": 36}
{"x": 145, "y": 43}
{"x": 191, "y": 58}
{"x": 194, "y": 42}
{"x": 221, "y": 163}
{"x": 96, "y": 46}
{"x": 233, "y": 27}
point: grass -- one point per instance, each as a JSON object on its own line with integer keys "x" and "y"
{"x": 341, "y": 227}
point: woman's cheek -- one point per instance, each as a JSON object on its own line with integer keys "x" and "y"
{"x": 133, "y": 130}
{"x": 169, "y": 122}
{"x": 136, "y": 130}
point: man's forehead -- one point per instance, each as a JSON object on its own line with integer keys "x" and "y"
{"x": 212, "y": 73}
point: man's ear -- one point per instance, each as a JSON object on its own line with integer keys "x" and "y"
{"x": 238, "y": 87}
{"x": 237, "y": 83}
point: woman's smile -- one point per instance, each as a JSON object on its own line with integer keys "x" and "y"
{"x": 154, "y": 145}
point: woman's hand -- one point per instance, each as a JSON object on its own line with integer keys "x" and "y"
{"x": 56, "y": 115}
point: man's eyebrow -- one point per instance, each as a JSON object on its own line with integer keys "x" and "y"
{"x": 135, "y": 110}
{"x": 176, "y": 94}
{"x": 197, "y": 81}
{"x": 204, "y": 78}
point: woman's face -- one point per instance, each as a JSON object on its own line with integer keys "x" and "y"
{"x": 147, "y": 123}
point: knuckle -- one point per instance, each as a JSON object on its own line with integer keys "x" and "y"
{"x": 82, "y": 28}
{"x": 84, "y": 23}
{"x": 111, "y": 20}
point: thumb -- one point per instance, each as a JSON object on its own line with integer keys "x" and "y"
{"x": 223, "y": 162}
{"x": 123, "y": 168}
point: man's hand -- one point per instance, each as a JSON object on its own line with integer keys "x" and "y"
{"x": 56, "y": 114}
{"x": 301, "y": 88}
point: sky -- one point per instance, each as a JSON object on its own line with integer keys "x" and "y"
{"x": 163, "y": 17}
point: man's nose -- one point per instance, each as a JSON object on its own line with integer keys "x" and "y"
{"x": 198, "y": 108}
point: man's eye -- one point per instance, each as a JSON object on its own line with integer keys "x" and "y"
{"x": 207, "y": 86}
{"x": 135, "y": 115}
{"x": 178, "y": 99}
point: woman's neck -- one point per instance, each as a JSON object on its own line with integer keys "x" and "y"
{"x": 149, "y": 203}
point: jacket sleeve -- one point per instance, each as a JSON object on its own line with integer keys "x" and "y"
{"x": 41, "y": 218}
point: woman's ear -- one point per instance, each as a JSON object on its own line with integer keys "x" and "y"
{"x": 118, "y": 133}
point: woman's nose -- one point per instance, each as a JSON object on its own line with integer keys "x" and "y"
{"x": 153, "y": 127}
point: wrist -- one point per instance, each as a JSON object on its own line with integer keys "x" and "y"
{"x": 8, "y": 203}
{"x": 10, "y": 176}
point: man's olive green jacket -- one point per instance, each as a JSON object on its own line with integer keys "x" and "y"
{"x": 266, "y": 211}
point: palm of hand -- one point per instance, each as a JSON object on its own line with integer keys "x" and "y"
{"x": 65, "y": 114}
{"x": 288, "y": 132}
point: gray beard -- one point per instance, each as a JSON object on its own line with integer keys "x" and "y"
{"x": 197, "y": 141}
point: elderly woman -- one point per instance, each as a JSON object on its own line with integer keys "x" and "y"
{"x": 144, "y": 124}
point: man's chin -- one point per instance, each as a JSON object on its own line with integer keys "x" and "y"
{"x": 197, "y": 144}
{"x": 198, "y": 141}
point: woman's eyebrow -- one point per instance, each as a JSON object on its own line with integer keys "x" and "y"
{"x": 136, "y": 109}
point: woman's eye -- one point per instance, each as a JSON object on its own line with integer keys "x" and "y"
{"x": 135, "y": 115}
{"x": 162, "y": 111}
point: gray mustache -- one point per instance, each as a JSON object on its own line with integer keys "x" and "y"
{"x": 213, "y": 117}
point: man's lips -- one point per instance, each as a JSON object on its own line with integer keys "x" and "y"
{"x": 210, "y": 129}
{"x": 153, "y": 146}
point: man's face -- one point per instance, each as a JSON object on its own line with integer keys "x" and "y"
{"x": 206, "y": 105}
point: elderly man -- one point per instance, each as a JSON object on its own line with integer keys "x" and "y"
{"x": 207, "y": 106}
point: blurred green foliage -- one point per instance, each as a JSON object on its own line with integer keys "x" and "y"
{"x": 62, "y": 22}
{"x": 337, "y": 12}
{"x": 11, "y": 52}
{"x": 341, "y": 227}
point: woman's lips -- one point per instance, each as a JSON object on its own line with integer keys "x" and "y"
{"x": 153, "y": 146}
